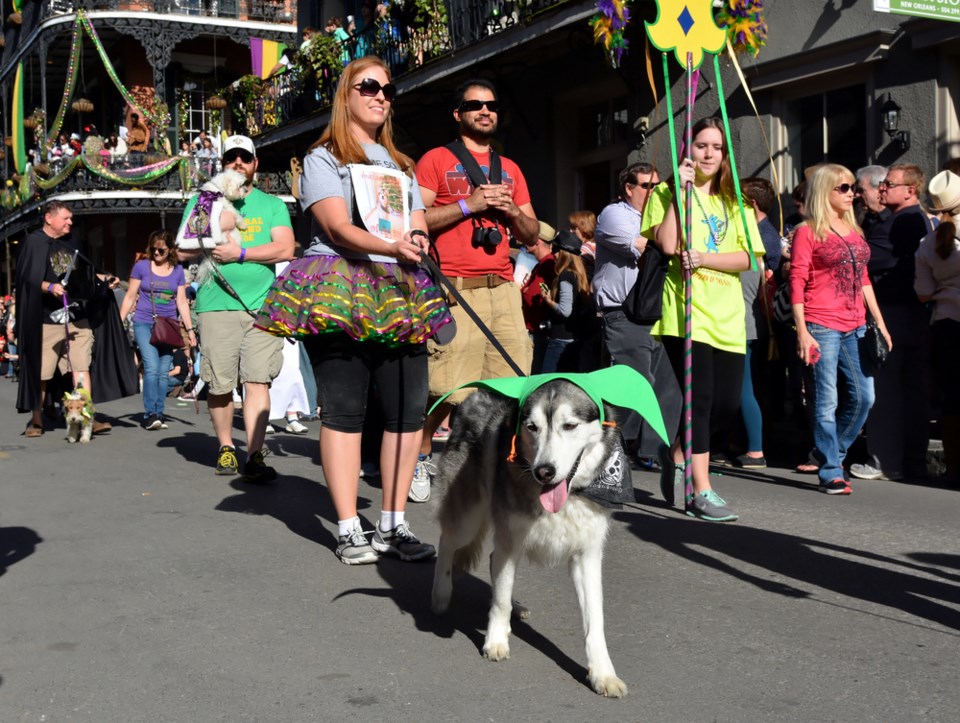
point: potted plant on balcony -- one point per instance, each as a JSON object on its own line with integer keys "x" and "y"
{"x": 428, "y": 25}
{"x": 322, "y": 57}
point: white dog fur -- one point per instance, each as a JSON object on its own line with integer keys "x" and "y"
{"x": 561, "y": 438}
{"x": 223, "y": 224}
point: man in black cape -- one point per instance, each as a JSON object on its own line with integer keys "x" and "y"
{"x": 40, "y": 290}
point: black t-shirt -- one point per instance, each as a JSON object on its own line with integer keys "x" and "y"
{"x": 81, "y": 284}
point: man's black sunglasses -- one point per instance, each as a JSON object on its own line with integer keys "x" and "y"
{"x": 231, "y": 156}
{"x": 369, "y": 88}
{"x": 474, "y": 105}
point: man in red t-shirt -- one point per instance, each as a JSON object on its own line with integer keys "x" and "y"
{"x": 479, "y": 268}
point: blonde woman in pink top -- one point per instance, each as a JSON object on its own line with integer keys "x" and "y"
{"x": 831, "y": 291}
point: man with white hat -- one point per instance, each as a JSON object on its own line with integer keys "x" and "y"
{"x": 232, "y": 350}
{"x": 937, "y": 281}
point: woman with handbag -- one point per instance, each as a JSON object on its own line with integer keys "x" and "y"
{"x": 157, "y": 291}
{"x": 721, "y": 247}
{"x": 363, "y": 308}
{"x": 830, "y": 292}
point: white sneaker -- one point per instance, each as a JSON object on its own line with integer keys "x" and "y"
{"x": 270, "y": 429}
{"x": 422, "y": 479}
{"x": 294, "y": 427}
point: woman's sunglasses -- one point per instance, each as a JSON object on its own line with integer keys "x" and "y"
{"x": 475, "y": 105}
{"x": 845, "y": 188}
{"x": 369, "y": 88}
{"x": 159, "y": 250}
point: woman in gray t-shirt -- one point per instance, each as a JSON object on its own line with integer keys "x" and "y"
{"x": 362, "y": 305}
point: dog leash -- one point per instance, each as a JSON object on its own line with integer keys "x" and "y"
{"x": 434, "y": 268}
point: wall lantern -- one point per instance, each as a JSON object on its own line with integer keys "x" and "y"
{"x": 890, "y": 112}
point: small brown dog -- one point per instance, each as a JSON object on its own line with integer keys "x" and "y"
{"x": 78, "y": 410}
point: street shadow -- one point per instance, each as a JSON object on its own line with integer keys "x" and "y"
{"x": 410, "y": 586}
{"x": 856, "y": 574}
{"x": 16, "y": 543}
{"x": 195, "y": 447}
{"x": 297, "y": 502}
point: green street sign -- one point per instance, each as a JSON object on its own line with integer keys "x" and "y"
{"x": 933, "y": 9}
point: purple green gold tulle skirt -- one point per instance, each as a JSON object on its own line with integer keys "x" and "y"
{"x": 370, "y": 301}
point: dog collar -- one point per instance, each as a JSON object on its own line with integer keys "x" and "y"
{"x": 619, "y": 385}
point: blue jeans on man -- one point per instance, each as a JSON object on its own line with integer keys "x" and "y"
{"x": 156, "y": 368}
{"x": 833, "y": 431}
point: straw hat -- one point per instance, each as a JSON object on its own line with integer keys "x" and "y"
{"x": 944, "y": 192}
{"x": 547, "y": 232}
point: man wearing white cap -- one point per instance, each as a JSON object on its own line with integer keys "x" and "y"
{"x": 232, "y": 350}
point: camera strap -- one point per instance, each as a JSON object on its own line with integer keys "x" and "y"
{"x": 472, "y": 168}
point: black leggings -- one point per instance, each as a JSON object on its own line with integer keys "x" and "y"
{"x": 344, "y": 367}
{"x": 717, "y": 382}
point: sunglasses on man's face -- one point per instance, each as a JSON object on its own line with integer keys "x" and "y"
{"x": 368, "y": 88}
{"x": 646, "y": 185}
{"x": 231, "y": 156}
{"x": 475, "y": 105}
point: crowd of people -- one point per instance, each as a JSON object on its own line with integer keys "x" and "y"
{"x": 863, "y": 264}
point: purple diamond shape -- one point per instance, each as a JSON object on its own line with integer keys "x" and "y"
{"x": 685, "y": 20}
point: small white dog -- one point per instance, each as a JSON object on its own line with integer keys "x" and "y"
{"x": 78, "y": 410}
{"x": 214, "y": 220}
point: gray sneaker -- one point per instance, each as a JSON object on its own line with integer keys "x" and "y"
{"x": 868, "y": 471}
{"x": 711, "y": 506}
{"x": 422, "y": 479}
{"x": 671, "y": 476}
{"x": 353, "y": 548}
{"x": 401, "y": 542}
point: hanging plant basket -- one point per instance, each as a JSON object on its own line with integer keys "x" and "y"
{"x": 15, "y": 18}
{"x": 82, "y": 105}
{"x": 8, "y": 141}
{"x": 216, "y": 103}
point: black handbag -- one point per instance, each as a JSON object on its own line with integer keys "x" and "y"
{"x": 644, "y": 302}
{"x": 874, "y": 343}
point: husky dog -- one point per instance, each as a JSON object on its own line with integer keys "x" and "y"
{"x": 214, "y": 220}
{"x": 540, "y": 501}
{"x": 78, "y": 410}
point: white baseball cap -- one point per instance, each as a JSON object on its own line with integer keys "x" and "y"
{"x": 241, "y": 142}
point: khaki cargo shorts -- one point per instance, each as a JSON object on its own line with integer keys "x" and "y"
{"x": 54, "y": 353}
{"x": 233, "y": 351}
{"x": 471, "y": 356}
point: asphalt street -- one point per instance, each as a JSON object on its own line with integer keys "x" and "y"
{"x": 135, "y": 585}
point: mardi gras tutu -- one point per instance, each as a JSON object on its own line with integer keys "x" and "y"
{"x": 386, "y": 302}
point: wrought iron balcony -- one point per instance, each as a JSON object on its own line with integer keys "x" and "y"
{"x": 270, "y": 11}
{"x": 405, "y": 41}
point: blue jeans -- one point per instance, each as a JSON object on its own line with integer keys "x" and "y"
{"x": 156, "y": 368}
{"x": 833, "y": 431}
{"x": 552, "y": 354}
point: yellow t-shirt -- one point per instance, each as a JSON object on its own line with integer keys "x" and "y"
{"x": 717, "y": 296}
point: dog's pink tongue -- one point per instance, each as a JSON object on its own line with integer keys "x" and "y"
{"x": 553, "y": 497}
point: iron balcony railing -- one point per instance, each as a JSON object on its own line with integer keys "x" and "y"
{"x": 404, "y": 41}
{"x": 270, "y": 11}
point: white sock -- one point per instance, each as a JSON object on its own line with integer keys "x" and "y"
{"x": 390, "y": 520}
{"x": 347, "y": 526}
{"x": 292, "y": 417}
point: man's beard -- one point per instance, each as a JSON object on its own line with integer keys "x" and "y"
{"x": 470, "y": 128}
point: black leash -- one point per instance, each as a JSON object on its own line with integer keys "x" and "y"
{"x": 434, "y": 268}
